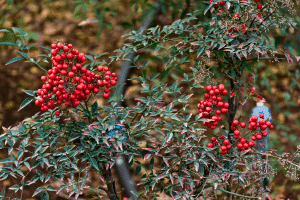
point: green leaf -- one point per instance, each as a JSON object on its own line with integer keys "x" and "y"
{"x": 45, "y": 196}
{"x": 165, "y": 73}
{"x": 25, "y": 102}
{"x": 94, "y": 163}
{"x": 6, "y": 160}
{"x": 94, "y": 107}
{"x": 138, "y": 170}
{"x": 8, "y": 43}
{"x": 23, "y": 54}
{"x": 15, "y": 59}
{"x": 5, "y": 30}
{"x": 15, "y": 29}
{"x": 200, "y": 51}
{"x": 38, "y": 190}
{"x": 29, "y": 92}
{"x": 47, "y": 48}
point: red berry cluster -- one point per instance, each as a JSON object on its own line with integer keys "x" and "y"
{"x": 226, "y": 144}
{"x": 216, "y": 3}
{"x": 243, "y": 144}
{"x": 262, "y": 124}
{"x": 74, "y": 86}
{"x": 213, "y": 100}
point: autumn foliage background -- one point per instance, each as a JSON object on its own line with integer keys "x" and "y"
{"x": 48, "y": 21}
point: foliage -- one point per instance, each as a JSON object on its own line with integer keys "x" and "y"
{"x": 189, "y": 168}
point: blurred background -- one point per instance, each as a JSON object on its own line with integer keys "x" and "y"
{"x": 97, "y": 26}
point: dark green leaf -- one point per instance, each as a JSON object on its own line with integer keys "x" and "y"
{"x": 200, "y": 51}
{"x": 26, "y": 102}
{"x": 29, "y": 92}
{"x": 6, "y": 160}
{"x": 94, "y": 163}
{"x": 47, "y": 48}
{"x": 15, "y": 59}
{"x": 8, "y": 43}
{"x": 45, "y": 196}
{"x": 138, "y": 170}
{"x": 23, "y": 54}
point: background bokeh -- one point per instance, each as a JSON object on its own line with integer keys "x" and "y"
{"x": 48, "y": 21}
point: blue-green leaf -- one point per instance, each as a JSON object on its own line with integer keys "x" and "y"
{"x": 25, "y": 102}
{"x": 6, "y": 160}
{"x": 8, "y": 43}
{"x": 45, "y": 196}
{"x": 23, "y": 54}
{"x": 29, "y": 92}
{"x": 15, "y": 59}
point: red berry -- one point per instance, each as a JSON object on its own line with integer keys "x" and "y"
{"x": 209, "y": 88}
{"x": 222, "y": 3}
{"x": 235, "y": 122}
{"x": 226, "y": 142}
{"x": 70, "y": 46}
{"x": 213, "y": 139}
{"x": 71, "y": 74}
{"x": 57, "y": 113}
{"x": 206, "y": 96}
{"x": 243, "y": 125}
{"x": 240, "y": 145}
{"x": 236, "y": 137}
{"x": 210, "y": 145}
{"x": 59, "y": 45}
{"x": 221, "y": 137}
{"x": 53, "y": 46}
{"x": 228, "y": 146}
{"x": 226, "y": 105}
{"x": 65, "y": 49}
{"x": 258, "y": 137}
{"x": 243, "y": 140}
{"x": 236, "y": 16}
{"x": 223, "y": 148}
{"x": 268, "y": 123}
{"x": 261, "y": 122}
{"x": 256, "y": 0}
{"x": 220, "y": 104}
{"x": 217, "y": 91}
{"x": 264, "y": 134}
{"x": 224, "y": 110}
{"x": 106, "y": 69}
{"x": 218, "y": 112}
{"x": 44, "y": 78}
{"x": 246, "y": 146}
{"x": 236, "y": 132}
{"x": 221, "y": 87}
{"x": 254, "y": 118}
{"x": 271, "y": 127}
{"x": 253, "y": 138}
{"x": 259, "y": 6}
{"x": 223, "y": 152}
{"x": 211, "y": 92}
{"x": 251, "y": 144}
{"x": 261, "y": 116}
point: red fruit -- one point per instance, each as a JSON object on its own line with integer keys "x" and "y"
{"x": 223, "y": 152}
{"x": 213, "y": 139}
{"x": 106, "y": 69}
{"x": 198, "y": 105}
{"x": 254, "y": 118}
{"x": 95, "y": 90}
{"x": 246, "y": 146}
{"x": 223, "y": 148}
{"x": 232, "y": 128}
{"x": 263, "y": 127}
{"x": 243, "y": 125}
{"x": 71, "y": 74}
{"x": 236, "y": 132}
{"x": 240, "y": 145}
{"x": 236, "y": 137}
{"x": 63, "y": 72}
{"x": 258, "y": 137}
{"x": 264, "y": 134}
{"x": 210, "y": 145}
{"x": 65, "y": 48}
{"x": 271, "y": 127}
{"x": 259, "y": 6}
{"x": 228, "y": 147}
{"x": 220, "y": 104}
{"x": 224, "y": 110}
{"x": 226, "y": 142}
{"x": 216, "y": 5}
{"x": 70, "y": 46}
{"x": 59, "y": 45}
{"x": 253, "y": 138}
{"x": 261, "y": 116}
{"x": 221, "y": 87}
{"x": 218, "y": 112}
{"x": 243, "y": 140}
{"x": 219, "y": 98}
{"x": 217, "y": 91}
{"x": 253, "y": 124}
{"x": 235, "y": 122}
{"x": 236, "y": 16}
{"x": 226, "y": 105}
{"x": 209, "y": 88}
{"x": 261, "y": 122}
{"x": 211, "y": 92}
{"x": 208, "y": 109}
{"x": 256, "y": 0}
{"x": 53, "y": 52}
{"x": 53, "y": 46}
{"x": 251, "y": 144}
{"x": 105, "y": 95}
{"x": 224, "y": 92}
{"x": 69, "y": 55}
{"x": 222, "y": 136}
{"x": 222, "y": 3}
{"x": 268, "y": 123}
{"x": 206, "y": 96}
{"x": 44, "y": 78}
{"x": 214, "y": 98}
